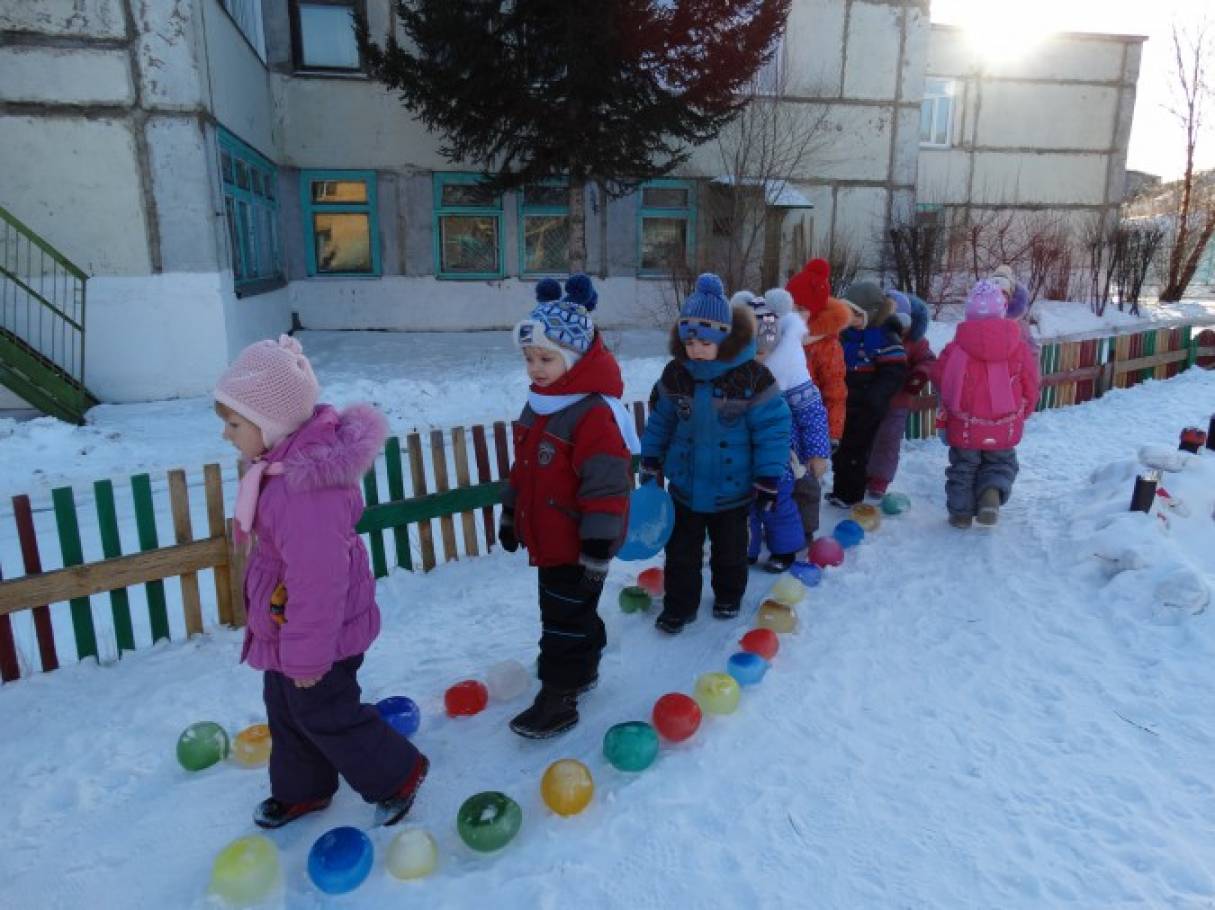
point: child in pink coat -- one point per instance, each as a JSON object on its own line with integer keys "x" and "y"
{"x": 988, "y": 380}
{"x": 309, "y": 592}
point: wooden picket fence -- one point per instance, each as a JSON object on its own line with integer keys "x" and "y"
{"x": 454, "y": 477}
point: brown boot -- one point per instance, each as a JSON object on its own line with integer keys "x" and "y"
{"x": 960, "y": 521}
{"x": 989, "y": 507}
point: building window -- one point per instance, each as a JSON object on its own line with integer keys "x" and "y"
{"x": 250, "y": 186}
{"x": 323, "y": 35}
{"x": 247, "y": 14}
{"x": 340, "y": 222}
{"x": 467, "y": 228}
{"x": 544, "y": 229}
{"x": 937, "y": 113}
{"x": 668, "y": 225}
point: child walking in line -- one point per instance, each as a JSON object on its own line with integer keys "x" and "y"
{"x": 719, "y": 432}
{"x": 826, "y": 317}
{"x": 309, "y": 592}
{"x": 1017, "y": 296}
{"x": 989, "y": 385}
{"x": 877, "y": 369}
{"x": 781, "y": 333}
{"x": 568, "y": 495}
{"x": 912, "y": 314}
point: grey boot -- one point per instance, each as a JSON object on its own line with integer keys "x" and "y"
{"x": 989, "y": 507}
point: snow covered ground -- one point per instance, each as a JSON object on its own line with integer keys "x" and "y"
{"x": 1010, "y": 718}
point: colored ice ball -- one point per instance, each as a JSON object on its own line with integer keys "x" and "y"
{"x": 507, "y": 679}
{"x": 848, "y": 533}
{"x": 631, "y": 746}
{"x": 717, "y": 693}
{"x": 201, "y": 745}
{"x": 246, "y": 871}
{"x": 746, "y": 668}
{"x": 401, "y": 713}
{"x": 867, "y": 516}
{"x": 487, "y": 821}
{"x": 466, "y": 698}
{"x": 635, "y": 599}
{"x": 653, "y": 581}
{"x": 412, "y": 854}
{"x": 340, "y": 860}
{"x": 763, "y": 642}
{"x": 676, "y": 716}
{"x": 788, "y": 590}
{"x": 895, "y": 503}
{"x": 776, "y": 616}
{"x": 251, "y": 746}
{"x": 826, "y": 551}
{"x": 807, "y": 573}
{"x": 567, "y": 787}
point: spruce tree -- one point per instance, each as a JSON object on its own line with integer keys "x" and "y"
{"x": 618, "y": 91}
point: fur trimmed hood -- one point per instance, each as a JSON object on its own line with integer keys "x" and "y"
{"x": 829, "y": 321}
{"x": 742, "y": 334}
{"x": 333, "y": 449}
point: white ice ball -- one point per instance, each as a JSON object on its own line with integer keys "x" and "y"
{"x": 507, "y": 679}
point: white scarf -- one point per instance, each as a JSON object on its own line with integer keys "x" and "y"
{"x": 551, "y": 404}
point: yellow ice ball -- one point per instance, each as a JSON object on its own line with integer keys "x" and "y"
{"x": 867, "y": 516}
{"x": 776, "y": 616}
{"x": 567, "y": 786}
{"x": 246, "y": 871}
{"x": 412, "y": 854}
{"x": 788, "y": 590}
{"x": 251, "y": 746}
{"x": 717, "y": 693}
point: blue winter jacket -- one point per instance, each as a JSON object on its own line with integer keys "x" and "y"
{"x": 717, "y": 426}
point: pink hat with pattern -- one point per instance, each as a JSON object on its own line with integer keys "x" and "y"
{"x": 270, "y": 384}
{"x": 986, "y": 301}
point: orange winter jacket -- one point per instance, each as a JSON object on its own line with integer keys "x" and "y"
{"x": 825, "y": 360}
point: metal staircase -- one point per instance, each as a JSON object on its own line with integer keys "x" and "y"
{"x": 41, "y": 323}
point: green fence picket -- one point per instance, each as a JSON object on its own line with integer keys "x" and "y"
{"x": 111, "y": 546}
{"x": 73, "y": 555}
{"x": 396, "y": 493}
{"x": 1149, "y": 348}
{"x": 145, "y": 522}
{"x": 371, "y": 492}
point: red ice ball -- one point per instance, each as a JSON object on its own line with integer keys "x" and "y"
{"x": 826, "y": 551}
{"x": 466, "y": 698}
{"x": 652, "y": 580}
{"x": 676, "y": 716}
{"x": 763, "y": 642}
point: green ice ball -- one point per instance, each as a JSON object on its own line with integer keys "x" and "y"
{"x": 631, "y": 746}
{"x": 202, "y": 745}
{"x": 487, "y": 821}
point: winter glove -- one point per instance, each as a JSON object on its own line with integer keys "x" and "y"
{"x": 765, "y": 493}
{"x": 595, "y": 561}
{"x": 506, "y": 531}
{"x": 650, "y": 468}
{"x": 915, "y": 385}
{"x": 817, "y": 467}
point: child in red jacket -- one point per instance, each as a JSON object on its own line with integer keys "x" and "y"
{"x": 567, "y": 498}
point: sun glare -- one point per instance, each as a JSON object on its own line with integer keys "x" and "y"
{"x": 1004, "y": 31}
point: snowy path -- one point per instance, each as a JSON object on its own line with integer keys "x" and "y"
{"x": 958, "y": 723}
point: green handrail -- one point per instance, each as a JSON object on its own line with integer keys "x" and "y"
{"x": 32, "y": 235}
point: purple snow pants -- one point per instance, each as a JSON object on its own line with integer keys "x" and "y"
{"x": 323, "y": 731}
{"x": 781, "y": 529}
{"x": 884, "y": 456}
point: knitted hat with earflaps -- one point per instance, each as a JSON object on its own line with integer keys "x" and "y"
{"x": 270, "y": 384}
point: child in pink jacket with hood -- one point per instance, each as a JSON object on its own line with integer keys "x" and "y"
{"x": 988, "y": 380}
{"x": 309, "y": 592}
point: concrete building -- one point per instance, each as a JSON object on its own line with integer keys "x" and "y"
{"x": 219, "y": 165}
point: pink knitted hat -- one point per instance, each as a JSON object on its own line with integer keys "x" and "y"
{"x": 986, "y": 301}
{"x": 270, "y": 384}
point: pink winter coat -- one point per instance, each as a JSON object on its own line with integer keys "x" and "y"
{"x": 989, "y": 384}
{"x": 306, "y": 541}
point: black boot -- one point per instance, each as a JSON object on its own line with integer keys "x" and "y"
{"x": 723, "y": 610}
{"x": 780, "y": 562}
{"x": 672, "y": 623}
{"x": 554, "y": 711}
{"x": 272, "y": 813}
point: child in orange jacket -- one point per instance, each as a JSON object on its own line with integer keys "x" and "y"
{"x": 826, "y": 317}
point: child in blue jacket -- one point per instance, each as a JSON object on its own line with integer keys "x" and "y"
{"x": 719, "y": 432}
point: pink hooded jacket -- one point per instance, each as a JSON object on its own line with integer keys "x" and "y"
{"x": 988, "y": 379}
{"x": 306, "y": 541}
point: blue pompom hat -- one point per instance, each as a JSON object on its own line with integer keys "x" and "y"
{"x": 705, "y": 315}
{"x": 560, "y": 323}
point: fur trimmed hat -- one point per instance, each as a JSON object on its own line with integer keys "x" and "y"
{"x": 561, "y": 324}
{"x": 766, "y": 331}
{"x": 780, "y": 300}
{"x": 811, "y": 286}
{"x": 871, "y": 299}
{"x": 919, "y": 318}
{"x": 705, "y": 315}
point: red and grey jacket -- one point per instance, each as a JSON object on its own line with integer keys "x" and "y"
{"x": 570, "y": 479}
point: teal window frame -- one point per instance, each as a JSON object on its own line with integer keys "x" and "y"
{"x": 245, "y": 207}
{"x": 370, "y": 208}
{"x": 688, "y": 213}
{"x": 525, "y": 209}
{"x": 441, "y": 211}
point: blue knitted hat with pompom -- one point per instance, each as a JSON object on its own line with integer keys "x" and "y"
{"x": 705, "y": 315}
{"x": 560, "y": 323}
